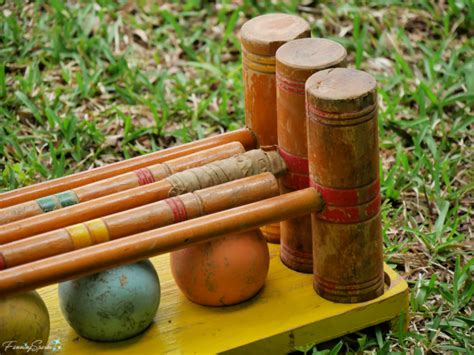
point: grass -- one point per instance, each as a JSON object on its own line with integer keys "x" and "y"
{"x": 86, "y": 84}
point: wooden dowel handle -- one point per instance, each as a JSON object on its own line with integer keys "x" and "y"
{"x": 144, "y": 245}
{"x": 28, "y": 193}
{"x": 116, "y": 184}
{"x": 140, "y": 219}
{"x": 250, "y": 163}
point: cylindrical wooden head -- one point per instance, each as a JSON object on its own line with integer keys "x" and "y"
{"x": 295, "y": 62}
{"x": 260, "y": 38}
{"x": 344, "y": 168}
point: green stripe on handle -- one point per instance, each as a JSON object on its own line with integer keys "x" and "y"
{"x": 60, "y": 200}
{"x": 67, "y": 198}
{"x": 48, "y": 203}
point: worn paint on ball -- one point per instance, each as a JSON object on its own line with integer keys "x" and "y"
{"x": 224, "y": 271}
{"x": 24, "y": 322}
{"x": 112, "y": 305}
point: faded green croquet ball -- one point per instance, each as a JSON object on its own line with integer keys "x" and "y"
{"x": 24, "y": 324}
{"x": 112, "y": 305}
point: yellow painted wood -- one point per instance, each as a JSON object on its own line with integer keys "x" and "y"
{"x": 285, "y": 314}
{"x": 98, "y": 231}
{"x": 79, "y": 235}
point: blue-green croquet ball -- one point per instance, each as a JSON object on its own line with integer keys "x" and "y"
{"x": 112, "y": 305}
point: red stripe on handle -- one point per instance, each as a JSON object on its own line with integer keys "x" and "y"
{"x": 178, "y": 209}
{"x": 3, "y": 264}
{"x": 144, "y": 176}
{"x": 348, "y": 197}
{"x": 182, "y": 209}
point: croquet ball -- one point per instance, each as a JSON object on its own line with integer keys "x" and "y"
{"x": 225, "y": 271}
{"x": 24, "y": 324}
{"x": 112, "y": 305}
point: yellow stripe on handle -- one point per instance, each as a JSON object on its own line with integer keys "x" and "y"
{"x": 80, "y": 236}
{"x": 98, "y": 231}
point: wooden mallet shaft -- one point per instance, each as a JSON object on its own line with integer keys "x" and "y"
{"x": 239, "y": 166}
{"x": 46, "y": 188}
{"x": 126, "y": 181}
{"x": 144, "y": 245}
{"x": 152, "y": 216}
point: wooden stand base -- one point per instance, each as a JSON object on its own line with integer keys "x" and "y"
{"x": 287, "y": 313}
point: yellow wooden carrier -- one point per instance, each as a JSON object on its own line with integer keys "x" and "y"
{"x": 287, "y": 313}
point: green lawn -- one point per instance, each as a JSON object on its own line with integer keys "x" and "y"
{"x": 85, "y": 85}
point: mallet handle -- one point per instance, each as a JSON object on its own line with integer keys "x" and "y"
{"x": 140, "y": 219}
{"x": 116, "y": 184}
{"x": 28, "y": 193}
{"x": 144, "y": 245}
{"x": 235, "y": 167}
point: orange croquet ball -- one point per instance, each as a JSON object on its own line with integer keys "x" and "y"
{"x": 222, "y": 272}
